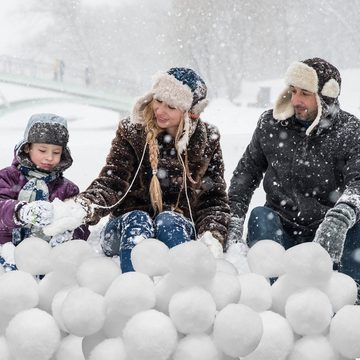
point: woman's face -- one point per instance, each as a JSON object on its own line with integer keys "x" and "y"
{"x": 167, "y": 117}
{"x": 45, "y": 156}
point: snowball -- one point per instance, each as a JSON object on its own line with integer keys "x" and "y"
{"x": 224, "y": 265}
{"x": 277, "y": 340}
{"x": 19, "y": 291}
{"x": 165, "y": 288}
{"x": 4, "y": 349}
{"x": 266, "y": 257}
{"x": 237, "y": 255}
{"x": 225, "y": 289}
{"x": 4, "y": 321}
{"x": 130, "y": 293}
{"x": 196, "y": 347}
{"x": 150, "y": 335}
{"x": 308, "y": 264}
{"x": 67, "y": 256}
{"x": 309, "y": 311}
{"x": 91, "y": 341}
{"x": 68, "y": 215}
{"x": 2, "y": 270}
{"x": 49, "y": 285}
{"x": 56, "y": 306}
{"x": 345, "y": 331}
{"x": 114, "y": 323}
{"x": 341, "y": 290}
{"x": 83, "y": 311}
{"x": 97, "y": 273}
{"x": 109, "y": 349}
{"x": 314, "y": 347}
{"x": 255, "y": 291}
{"x": 281, "y": 289}
{"x": 33, "y": 256}
{"x": 70, "y": 348}
{"x": 192, "y": 263}
{"x": 151, "y": 256}
{"x": 32, "y": 334}
{"x": 237, "y": 330}
{"x": 192, "y": 310}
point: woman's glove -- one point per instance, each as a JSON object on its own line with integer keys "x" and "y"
{"x": 36, "y": 213}
{"x": 235, "y": 230}
{"x": 212, "y": 243}
{"x": 331, "y": 233}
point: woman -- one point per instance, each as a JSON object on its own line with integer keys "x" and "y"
{"x": 163, "y": 177}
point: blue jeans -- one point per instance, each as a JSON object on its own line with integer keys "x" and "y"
{"x": 120, "y": 234}
{"x": 264, "y": 223}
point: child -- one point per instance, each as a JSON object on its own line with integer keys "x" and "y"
{"x": 164, "y": 175}
{"x": 34, "y": 179}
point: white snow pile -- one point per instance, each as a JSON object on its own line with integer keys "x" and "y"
{"x": 179, "y": 304}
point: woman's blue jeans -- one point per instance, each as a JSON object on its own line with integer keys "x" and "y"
{"x": 121, "y": 233}
{"x": 265, "y": 224}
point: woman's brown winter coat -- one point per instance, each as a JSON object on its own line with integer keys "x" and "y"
{"x": 207, "y": 196}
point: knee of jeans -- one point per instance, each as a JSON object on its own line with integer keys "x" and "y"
{"x": 166, "y": 218}
{"x": 135, "y": 214}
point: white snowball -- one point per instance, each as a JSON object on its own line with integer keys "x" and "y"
{"x": 237, "y": 255}
{"x": 67, "y": 256}
{"x": 277, "y": 340}
{"x": 150, "y": 335}
{"x": 192, "y": 263}
{"x": 83, "y": 311}
{"x": 224, "y": 265}
{"x": 345, "y": 331}
{"x": 314, "y": 347}
{"x": 255, "y": 291}
{"x": 308, "y": 264}
{"x": 196, "y": 347}
{"x": 70, "y": 349}
{"x": 33, "y": 256}
{"x": 114, "y": 323}
{"x": 4, "y": 349}
{"x": 18, "y": 291}
{"x": 97, "y": 273}
{"x": 281, "y": 289}
{"x": 130, "y": 293}
{"x": 151, "y": 257}
{"x": 192, "y": 310}
{"x": 225, "y": 289}
{"x": 32, "y": 334}
{"x": 49, "y": 285}
{"x": 309, "y": 311}
{"x": 165, "y": 288}
{"x": 266, "y": 257}
{"x": 91, "y": 341}
{"x": 341, "y": 290}
{"x": 56, "y": 306}
{"x": 4, "y": 321}
{"x": 237, "y": 330}
{"x": 109, "y": 349}
{"x": 2, "y": 270}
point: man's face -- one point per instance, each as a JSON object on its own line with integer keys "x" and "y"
{"x": 304, "y": 103}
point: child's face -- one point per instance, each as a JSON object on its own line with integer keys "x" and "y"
{"x": 45, "y": 156}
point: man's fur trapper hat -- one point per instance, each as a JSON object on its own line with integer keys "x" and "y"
{"x": 315, "y": 75}
{"x": 181, "y": 88}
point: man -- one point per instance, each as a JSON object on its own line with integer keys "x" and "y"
{"x": 308, "y": 150}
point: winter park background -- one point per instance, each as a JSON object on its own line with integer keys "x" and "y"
{"x": 196, "y": 308}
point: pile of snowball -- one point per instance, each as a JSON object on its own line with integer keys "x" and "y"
{"x": 179, "y": 304}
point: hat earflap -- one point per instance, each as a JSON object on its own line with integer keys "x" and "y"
{"x": 283, "y": 108}
{"x": 184, "y": 139}
{"x": 199, "y": 107}
{"x": 136, "y": 115}
{"x": 331, "y": 89}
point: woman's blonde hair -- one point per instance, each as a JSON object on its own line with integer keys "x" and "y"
{"x": 152, "y": 131}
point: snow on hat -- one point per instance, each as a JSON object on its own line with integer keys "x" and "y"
{"x": 181, "y": 88}
{"x": 45, "y": 128}
{"x": 315, "y": 75}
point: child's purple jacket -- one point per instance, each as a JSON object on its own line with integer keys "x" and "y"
{"x": 12, "y": 181}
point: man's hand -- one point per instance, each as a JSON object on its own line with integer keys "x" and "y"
{"x": 235, "y": 230}
{"x": 331, "y": 233}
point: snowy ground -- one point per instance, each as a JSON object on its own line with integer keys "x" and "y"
{"x": 80, "y": 292}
